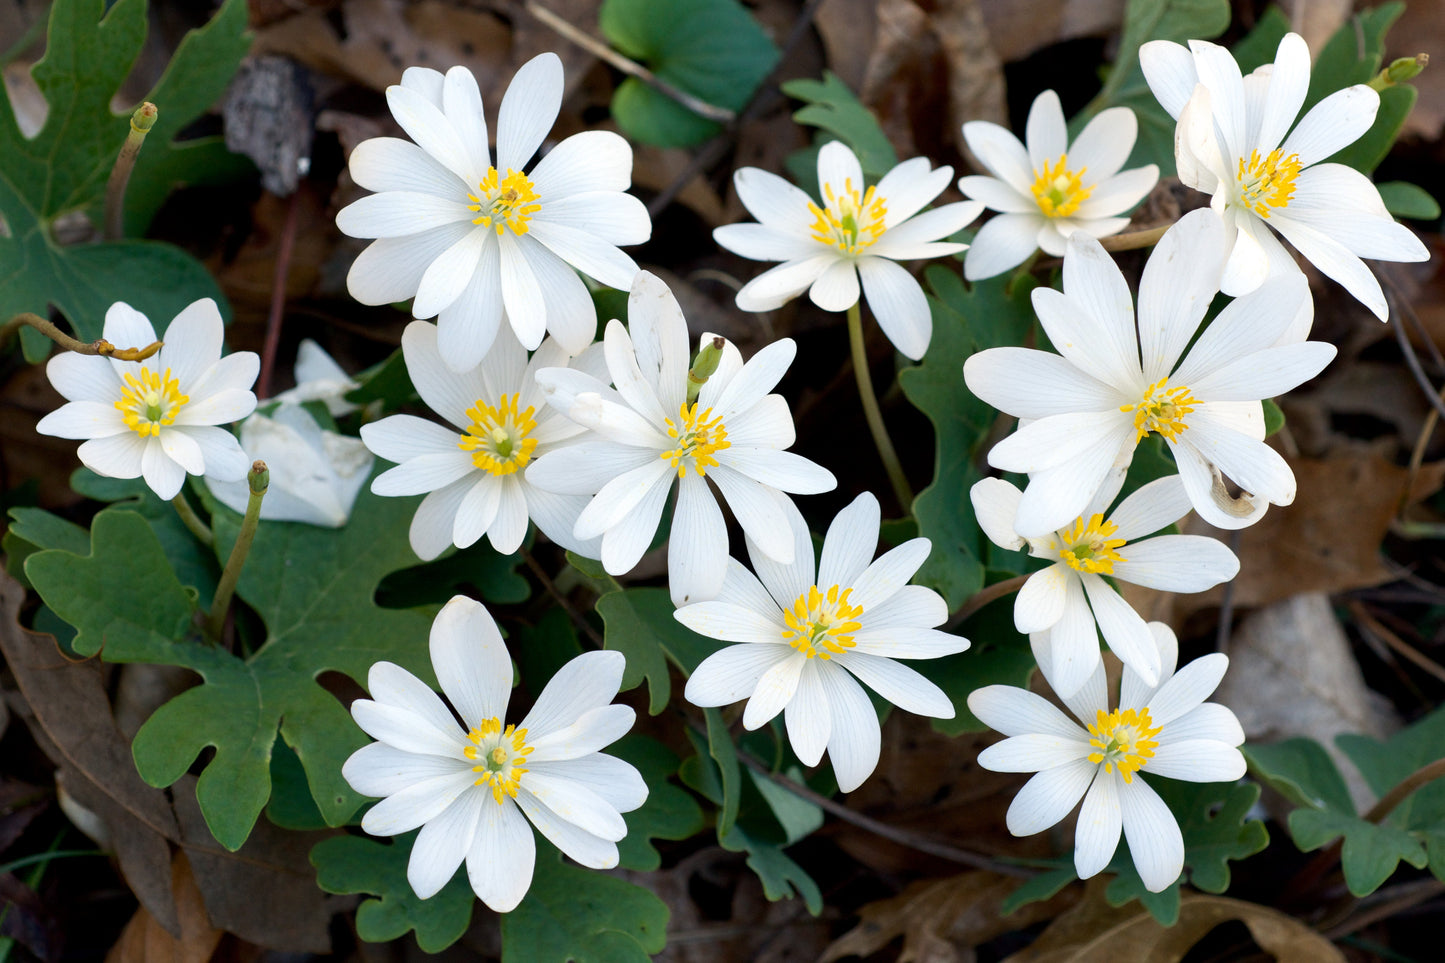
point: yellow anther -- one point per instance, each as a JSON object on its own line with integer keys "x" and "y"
{"x": 1125, "y": 739}
{"x": 822, "y": 623}
{"x": 502, "y": 752}
{"x": 1058, "y": 190}
{"x": 1267, "y": 183}
{"x": 149, "y": 401}
{"x": 499, "y": 437}
{"x": 1162, "y": 410}
{"x": 698, "y": 436}
{"x": 1087, "y": 547}
{"x": 848, "y": 222}
{"x": 508, "y": 204}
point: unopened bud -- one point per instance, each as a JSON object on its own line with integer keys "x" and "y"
{"x": 1399, "y": 71}
{"x": 144, "y": 118}
{"x": 260, "y": 478}
{"x": 704, "y": 366}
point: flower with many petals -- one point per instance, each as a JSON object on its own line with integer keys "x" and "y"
{"x": 810, "y": 634}
{"x": 471, "y": 240}
{"x": 1112, "y": 382}
{"x": 648, "y": 435}
{"x": 1234, "y": 141}
{"x": 157, "y": 418}
{"x": 1052, "y": 188}
{"x": 474, "y": 470}
{"x": 473, "y": 788}
{"x": 857, "y": 232}
{"x": 1165, "y": 730}
{"x": 1070, "y": 597}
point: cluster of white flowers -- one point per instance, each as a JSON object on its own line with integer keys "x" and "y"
{"x": 588, "y": 441}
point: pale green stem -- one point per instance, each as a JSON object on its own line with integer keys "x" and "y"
{"x": 141, "y": 123}
{"x": 873, "y": 415}
{"x": 258, "y": 479}
{"x": 192, "y": 520}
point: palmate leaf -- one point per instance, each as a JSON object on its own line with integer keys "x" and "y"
{"x": 64, "y": 167}
{"x": 313, "y": 588}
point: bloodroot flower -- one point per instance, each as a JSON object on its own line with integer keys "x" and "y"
{"x": 470, "y": 239}
{"x": 157, "y": 418}
{"x": 1164, "y": 730}
{"x": 473, "y": 788}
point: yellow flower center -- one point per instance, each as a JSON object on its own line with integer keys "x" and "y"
{"x": 504, "y": 201}
{"x": 1267, "y": 183}
{"x": 847, "y": 222}
{"x": 1087, "y": 547}
{"x": 1058, "y": 190}
{"x": 500, "y": 754}
{"x": 822, "y": 624}
{"x": 698, "y": 435}
{"x": 1162, "y": 409}
{"x": 499, "y": 438}
{"x": 1124, "y": 739}
{"x": 150, "y": 400}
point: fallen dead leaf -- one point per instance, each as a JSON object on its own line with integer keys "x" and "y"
{"x": 1317, "y": 20}
{"x": 146, "y": 941}
{"x": 940, "y": 920}
{"x": 1095, "y": 932}
{"x": 1018, "y": 28}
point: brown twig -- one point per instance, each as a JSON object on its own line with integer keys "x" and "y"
{"x": 984, "y": 596}
{"x": 1134, "y": 239}
{"x": 100, "y": 346}
{"x": 1384, "y": 634}
{"x": 1412, "y": 360}
{"x": 278, "y": 298}
{"x": 1425, "y": 774}
{"x": 1226, "y": 605}
{"x": 551, "y": 589}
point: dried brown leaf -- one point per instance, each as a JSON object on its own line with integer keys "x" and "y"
{"x": 146, "y": 941}
{"x": 1020, "y": 27}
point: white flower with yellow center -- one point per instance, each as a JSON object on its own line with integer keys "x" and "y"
{"x": 1237, "y": 139}
{"x": 1085, "y": 409}
{"x": 1052, "y": 188}
{"x": 811, "y": 633}
{"x": 1070, "y": 599}
{"x": 473, "y": 788}
{"x": 857, "y": 232}
{"x": 648, "y": 436}
{"x": 1158, "y": 730}
{"x": 470, "y": 240}
{"x": 473, "y": 471}
{"x": 157, "y": 418}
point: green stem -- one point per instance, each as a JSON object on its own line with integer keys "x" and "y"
{"x": 258, "y": 479}
{"x": 141, "y": 123}
{"x": 873, "y": 415}
{"x": 192, "y": 520}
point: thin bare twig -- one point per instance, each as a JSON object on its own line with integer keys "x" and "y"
{"x": 984, "y": 596}
{"x": 1383, "y": 633}
{"x": 1134, "y": 239}
{"x": 551, "y": 589}
{"x": 278, "y": 297}
{"x": 1226, "y": 605}
{"x": 1412, "y": 360}
{"x": 100, "y": 346}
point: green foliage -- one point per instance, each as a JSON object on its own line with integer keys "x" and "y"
{"x": 194, "y": 564}
{"x": 712, "y": 49}
{"x": 1125, "y": 86}
{"x": 964, "y": 321}
{"x": 1259, "y": 46}
{"x": 639, "y": 624}
{"x": 478, "y": 571}
{"x": 669, "y": 813}
{"x": 1352, "y": 56}
{"x": 1403, "y": 199}
{"x": 356, "y": 864}
{"x": 64, "y": 167}
{"x": 835, "y": 110}
{"x": 387, "y": 382}
{"x": 1413, "y": 832}
{"x": 33, "y": 529}
{"x": 998, "y": 654}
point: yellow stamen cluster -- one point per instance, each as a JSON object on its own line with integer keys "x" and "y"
{"x": 699, "y": 436}
{"x": 820, "y": 623}
{"x": 1163, "y": 410}
{"x": 1124, "y": 739}
{"x": 1087, "y": 547}
{"x": 499, "y": 438}
{"x": 1058, "y": 190}
{"x": 1267, "y": 183}
{"x": 849, "y": 223}
{"x": 500, "y": 754}
{"x": 149, "y": 401}
{"x": 509, "y": 203}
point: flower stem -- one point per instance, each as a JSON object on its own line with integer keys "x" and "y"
{"x": 141, "y": 123}
{"x": 871, "y": 413}
{"x": 100, "y": 347}
{"x": 258, "y": 479}
{"x": 1425, "y": 774}
{"x": 192, "y": 520}
{"x": 1134, "y": 239}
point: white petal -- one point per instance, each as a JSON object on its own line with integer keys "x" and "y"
{"x": 399, "y": 214}
{"x": 905, "y": 642}
{"x": 502, "y": 856}
{"x": 528, "y": 108}
{"x": 1123, "y": 628}
{"x": 775, "y": 689}
{"x": 417, "y": 804}
{"x": 1033, "y": 751}
{"x": 1180, "y": 280}
{"x": 697, "y": 550}
{"x": 1209, "y": 721}
{"x": 900, "y": 685}
{"x": 786, "y": 581}
{"x": 1178, "y": 563}
{"x": 1155, "y": 842}
{"x": 424, "y": 122}
{"x": 620, "y": 496}
{"x": 1005, "y": 241}
{"x": 760, "y": 242}
{"x": 624, "y": 543}
{"x": 851, "y": 540}
{"x": 1335, "y": 122}
{"x": 576, "y": 804}
{"x": 784, "y": 470}
{"x": 836, "y": 289}
{"x": 732, "y": 674}
{"x": 618, "y": 783}
{"x": 442, "y": 844}
{"x": 1073, "y": 644}
{"x": 595, "y": 729}
{"x": 424, "y": 473}
{"x": 449, "y": 275}
{"x": 1001, "y": 152}
{"x": 898, "y": 303}
{"x": 1169, "y": 69}
{"x": 585, "y": 683}
{"x": 1104, "y": 144}
{"x": 392, "y": 164}
{"x": 584, "y": 847}
{"x": 854, "y": 739}
{"x": 1044, "y": 132}
{"x": 1040, "y": 602}
{"x": 808, "y": 718}
{"x": 1198, "y": 760}
{"x": 1153, "y": 506}
{"x": 83, "y": 419}
{"x": 163, "y": 474}
{"x": 522, "y": 296}
{"x": 471, "y": 661}
{"x": 192, "y": 342}
{"x": 377, "y": 769}
{"x": 390, "y": 268}
{"x": 1114, "y": 196}
{"x": 1188, "y": 687}
{"x": 1289, "y": 81}
{"x": 995, "y": 503}
{"x": 997, "y": 195}
{"x": 1016, "y": 712}
{"x": 587, "y": 252}
{"x": 1100, "y": 820}
{"x": 890, "y": 572}
{"x": 583, "y": 469}
{"x": 1049, "y": 796}
{"x": 394, "y": 687}
{"x": 773, "y": 201}
{"x": 758, "y": 509}
{"x": 432, "y": 525}
{"x": 80, "y": 377}
{"x": 779, "y": 285}
{"x": 592, "y": 160}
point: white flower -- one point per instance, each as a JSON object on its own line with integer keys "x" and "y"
{"x": 1087, "y": 407}
{"x": 156, "y": 418}
{"x": 1052, "y": 188}
{"x": 1068, "y": 598}
{"x": 473, "y": 470}
{"x": 648, "y": 436}
{"x": 1164, "y": 730}
{"x": 469, "y": 787}
{"x": 854, "y": 614}
{"x": 858, "y": 232}
{"x": 471, "y": 240}
{"x": 1234, "y": 141}
{"x": 320, "y": 378}
{"x": 316, "y": 474}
